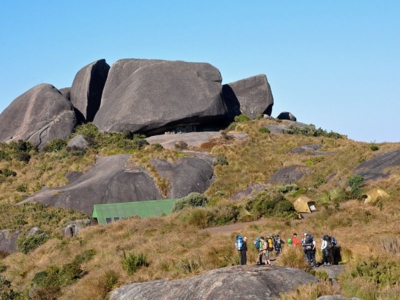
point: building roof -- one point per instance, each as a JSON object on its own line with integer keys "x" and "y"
{"x": 110, "y": 212}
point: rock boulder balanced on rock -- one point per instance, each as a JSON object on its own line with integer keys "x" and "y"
{"x": 87, "y": 89}
{"x": 250, "y": 96}
{"x": 154, "y": 96}
{"x": 39, "y": 115}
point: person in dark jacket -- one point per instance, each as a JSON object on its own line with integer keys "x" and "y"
{"x": 243, "y": 252}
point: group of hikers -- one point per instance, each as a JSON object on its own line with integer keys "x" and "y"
{"x": 273, "y": 243}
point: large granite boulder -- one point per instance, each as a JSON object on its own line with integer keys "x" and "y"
{"x": 238, "y": 282}
{"x": 155, "y": 96}
{"x": 87, "y": 89}
{"x": 251, "y": 96}
{"x": 119, "y": 72}
{"x": 377, "y": 167}
{"x": 187, "y": 175}
{"x": 112, "y": 179}
{"x": 286, "y": 116}
{"x": 39, "y": 115}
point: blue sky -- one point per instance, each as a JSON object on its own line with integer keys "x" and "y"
{"x": 334, "y": 64}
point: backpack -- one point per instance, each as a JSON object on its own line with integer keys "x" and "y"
{"x": 270, "y": 243}
{"x": 334, "y": 241}
{"x": 239, "y": 242}
{"x": 326, "y": 237}
{"x": 257, "y": 243}
{"x": 308, "y": 243}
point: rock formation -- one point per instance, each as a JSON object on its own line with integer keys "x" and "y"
{"x": 111, "y": 180}
{"x": 39, "y": 115}
{"x": 159, "y": 96}
{"x": 238, "y": 282}
{"x": 286, "y": 116}
{"x": 87, "y": 89}
{"x": 251, "y": 96}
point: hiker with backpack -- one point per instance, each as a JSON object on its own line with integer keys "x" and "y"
{"x": 241, "y": 246}
{"x": 335, "y": 252}
{"x": 326, "y": 248}
{"x": 260, "y": 243}
{"x": 278, "y": 244}
{"x": 295, "y": 241}
{"x": 309, "y": 249}
{"x": 268, "y": 247}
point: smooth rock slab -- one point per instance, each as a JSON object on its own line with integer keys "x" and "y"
{"x": 289, "y": 174}
{"x": 239, "y": 282}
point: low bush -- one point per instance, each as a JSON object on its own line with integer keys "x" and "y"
{"x": 310, "y": 130}
{"x": 27, "y": 244}
{"x": 55, "y": 145}
{"x": 132, "y": 262}
{"x": 356, "y": 182}
{"x": 221, "y": 160}
{"x": 242, "y": 118}
{"x": 48, "y": 283}
{"x": 191, "y": 200}
{"x": 270, "y": 203}
{"x": 264, "y": 130}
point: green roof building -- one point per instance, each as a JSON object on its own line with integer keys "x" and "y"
{"x": 110, "y": 212}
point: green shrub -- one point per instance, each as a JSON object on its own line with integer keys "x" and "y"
{"x": 287, "y": 188}
{"x": 48, "y": 283}
{"x": 242, "y": 118}
{"x": 54, "y": 146}
{"x": 264, "y": 130}
{"x": 23, "y": 188}
{"x": 191, "y": 200}
{"x": 8, "y": 173}
{"x": 27, "y": 244}
{"x": 132, "y": 262}
{"x": 356, "y": 182}
{"x": 373, "y": 147}
{"x": 269, "y": 203}
{"x": 310, "y": 130}
{"x": 221, "y": 160}
{"x": 4, "y": 156}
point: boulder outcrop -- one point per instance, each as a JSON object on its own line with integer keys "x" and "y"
{"x": 238, "y": 282}
{"x": 8, "y": 241}
{"x": 376, "y": 167}
{"x": 79, "y": 142}
{"x": 251, "y": 96}
{"x": 87, "y": 89}
{"x": 154, "y": 96}
{"x": 187, "y": 175}
{"x": 286, "y": 116}
{"x": 39, "y": 115}
{"x": 112, "y": 180}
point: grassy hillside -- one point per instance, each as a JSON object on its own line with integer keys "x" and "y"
{"x": 101, "y": 258}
